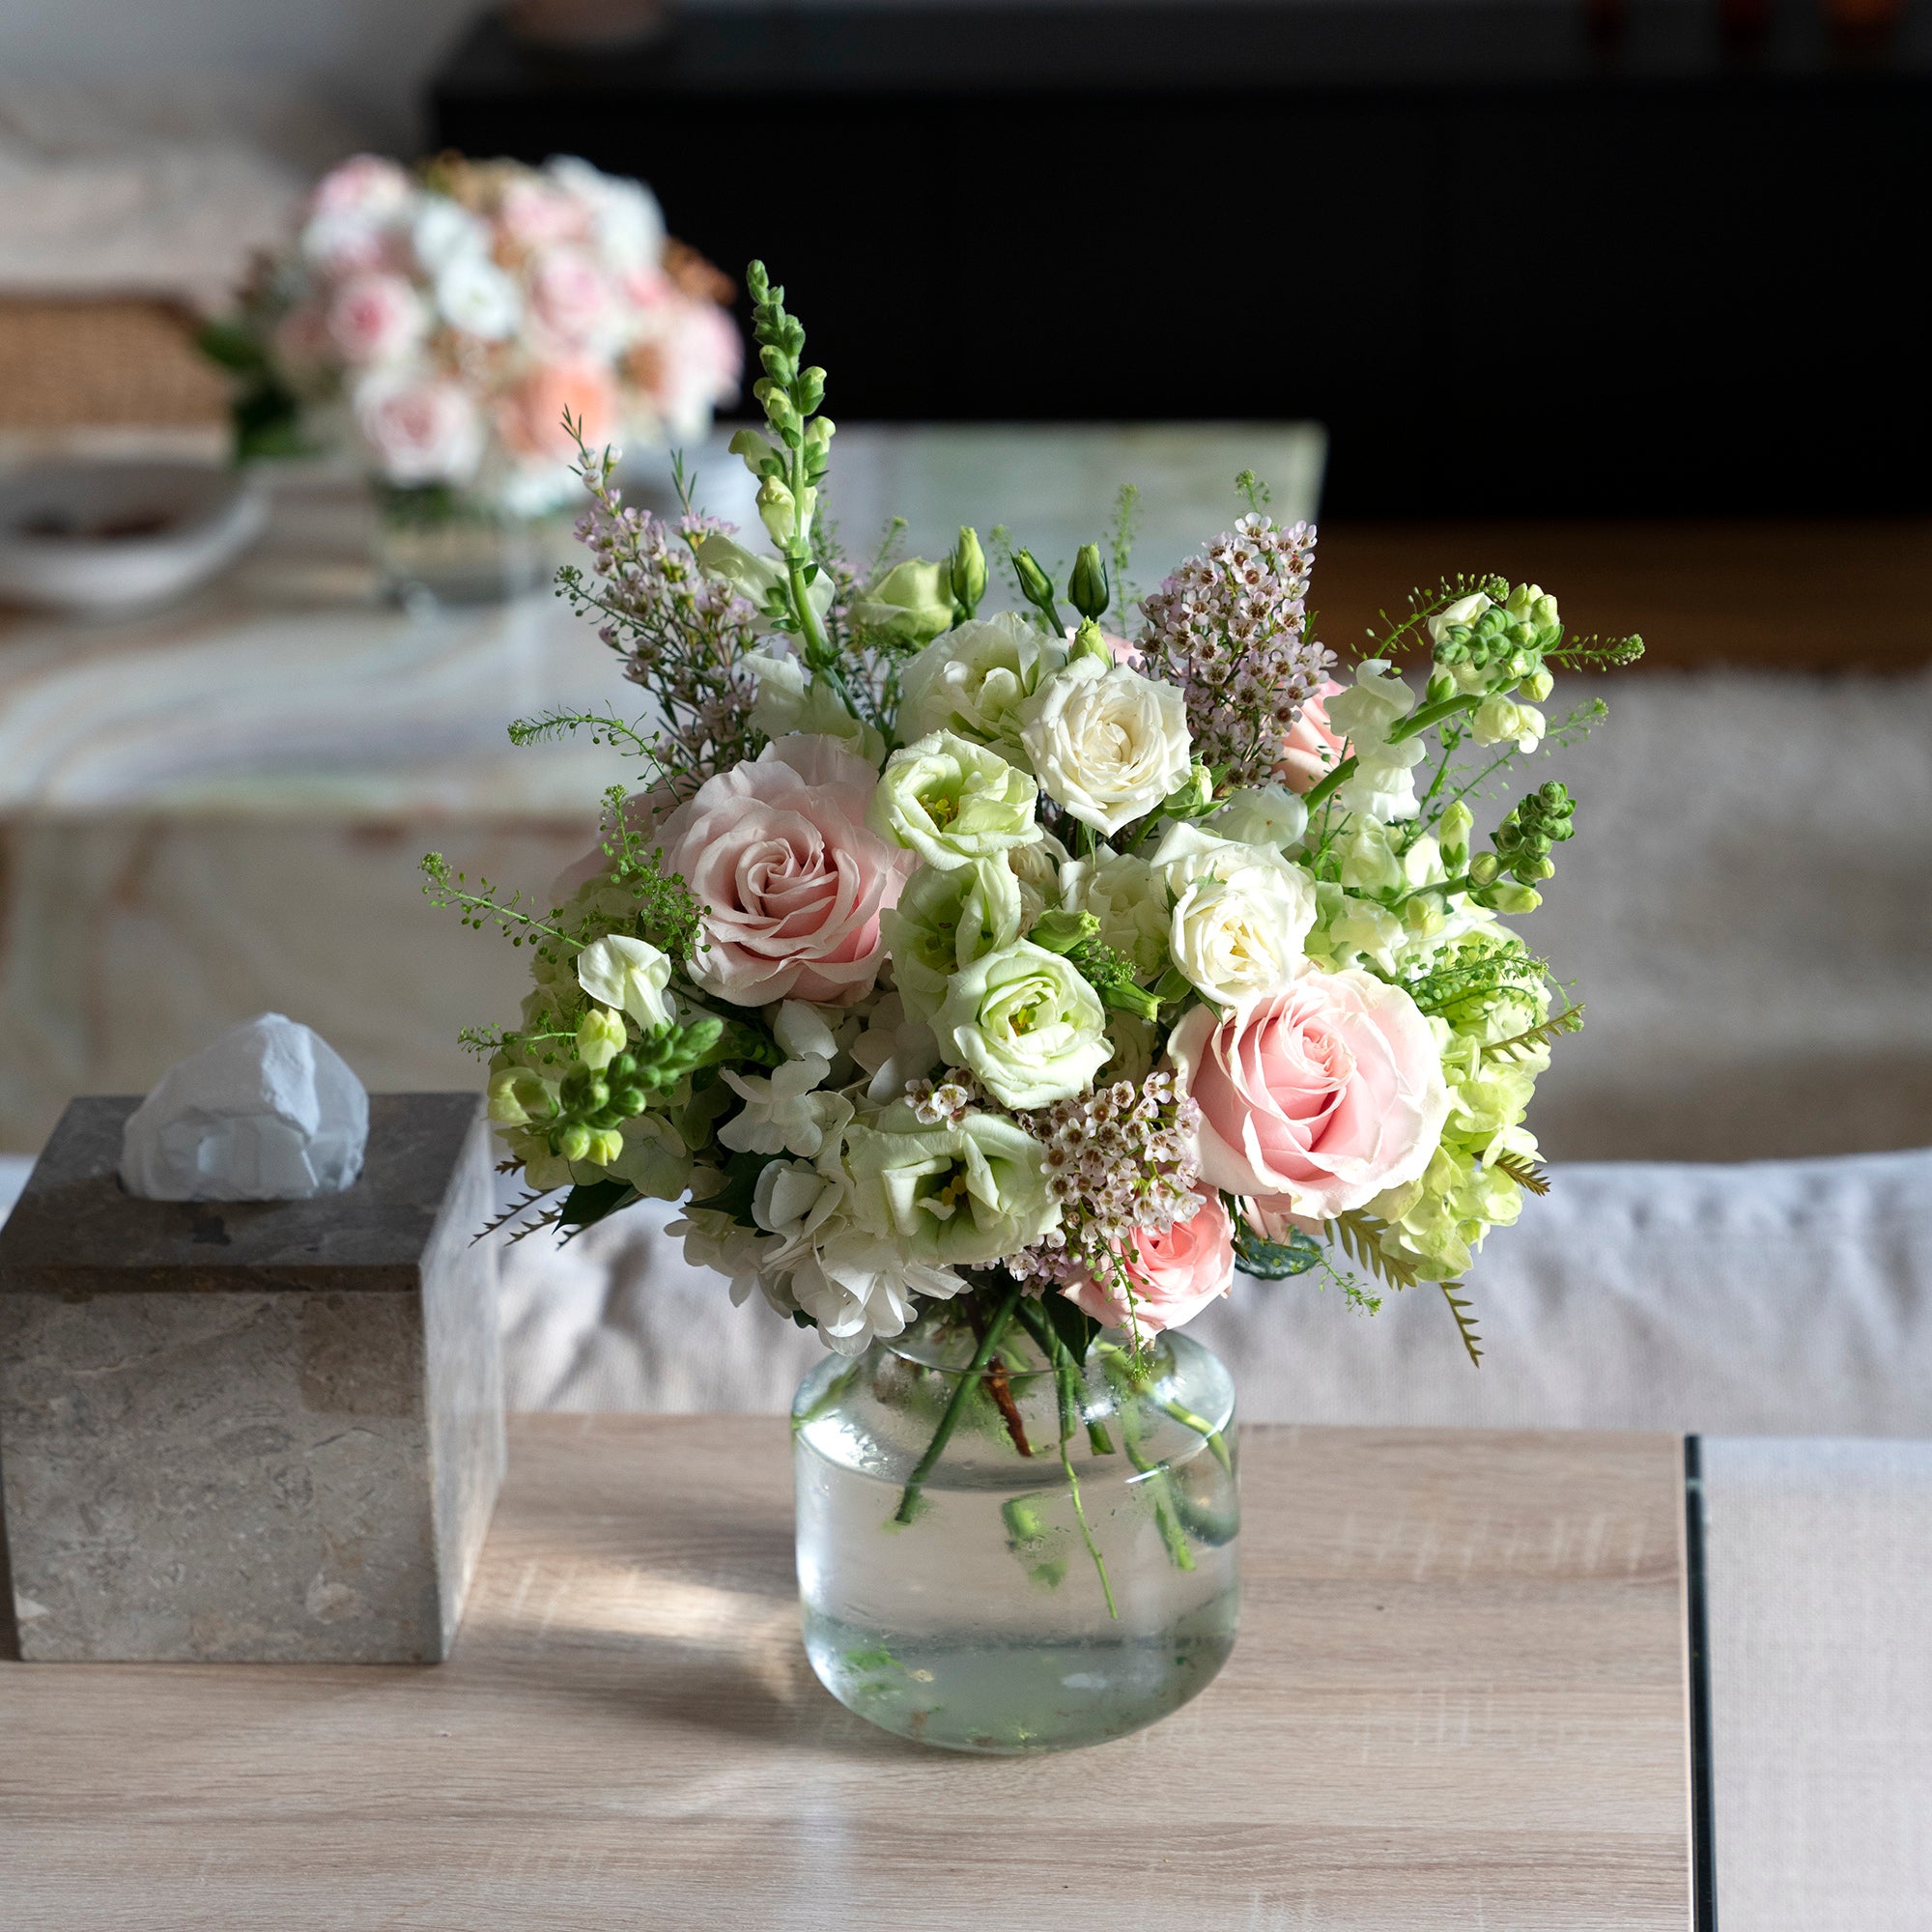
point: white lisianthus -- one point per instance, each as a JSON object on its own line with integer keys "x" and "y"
{"x": 1107, "y": 743}
{"x": 630, "y": 975}
{"x": 1026, "y": 1022}
{"x": 944, "y": 921}
{"x": 953, "y": 802}
{"x": 973, "y": 681}
{"x": 1121, "y": 890}
{"x": 1262, "y": 815}
{"x": 960, "y": 1195}
{"x": 1239, "y": 914}
{"x": 1383, "y": 785}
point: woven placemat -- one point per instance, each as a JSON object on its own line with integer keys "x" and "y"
{"x": 74, "y": 362}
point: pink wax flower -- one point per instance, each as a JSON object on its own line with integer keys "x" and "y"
{"x": 1176, "y": 1272}
{"x": 374, "y": 319}
{"x": 1311, "y": 750}
{"x": 1314, "y": 1100}
{"x": 778, "y": 851}
{"x": 419, "y": 431}
{"x": 530, "y": 416}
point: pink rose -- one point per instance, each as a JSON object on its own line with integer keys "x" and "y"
{"x": 688, "y": 364}
{"x": 531, "y": 413}
{"x": 419, "y": 431}
{"x": 366, "y": 188}
{"x": 1316, "y": 1099}
{"x": 793, "y": 883}
{"x": 375, "y": 318}
{"x": 1175, "y": 1274}
{"x": 1311, "y": 750}
{"x": 537, "y": 211}
{"x": 571, "y": 295}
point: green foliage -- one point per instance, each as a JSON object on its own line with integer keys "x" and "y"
{"x": 1253, "y": 492}
{"x": 741, "y": 1183}
{"x": 1074, "y": 1328}
{"x": 1398, "y": 634}
{"x": 1461, "y": 989}
{"x": 1596, "y": 653}
{"x": 1520, "y": 1046}
{"x": 1121, "y": 548}
{"x": 1465, "y": 1321}
{"x": 1360, "y": 1235}
{"x": 1265, "y": 1260}
{"x": 1526, "y": 1173}
{"x": 592, "y": 1201}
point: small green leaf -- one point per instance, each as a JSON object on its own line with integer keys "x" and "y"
{"x": 1275, "y": 1261}
{"x": 1072, "y": 1323}
{"x": 591, "y": 1201}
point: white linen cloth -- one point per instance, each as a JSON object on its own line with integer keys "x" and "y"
{"x": 1790, "y": 1298}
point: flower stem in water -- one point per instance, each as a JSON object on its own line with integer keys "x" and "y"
{"x": 996, "y": 1326}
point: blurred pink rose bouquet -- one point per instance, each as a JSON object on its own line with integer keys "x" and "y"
{"x": 442, "y": 323}
{"x": 979, "y": 962}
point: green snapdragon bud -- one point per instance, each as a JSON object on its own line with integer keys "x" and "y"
{"x": 1062, "y": 931}
{"x": 1037, "y": 587}
{"x": 756, "y": 450}
{"x": 1512, "y": 900}
{"x": 600, "y": 1038}
{"x": 810, "y": 388}
{"x": 1087, "y": 590}
{"x": 606, "y": 1145}
{"x": 819, "y": 435}
{"x": 778, "y": 511}
{"x": 967, "y": 568}
{"x": 573, "y": 1142}
{"x": 1452, "y": 833}
{"x": 1484, "y": 868}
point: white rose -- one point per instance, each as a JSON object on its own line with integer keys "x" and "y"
{"x": 628, "y": 974}
{"x": 974, "y": 680}
{"x": 1240, "y": 914}
{"x": 1106, "y": 742}
{"x": 475, "y": 296}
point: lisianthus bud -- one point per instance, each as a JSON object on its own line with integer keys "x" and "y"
{"x": 912, "y": 603}
{"x": 1088, "y": 642}
{"x": 967, "y": 568}
{"x": 1087, "y": 589}
{"x": 1036, "y": 588}
{"x": 1062, "y": 931}
{"x": 778, "y": 511}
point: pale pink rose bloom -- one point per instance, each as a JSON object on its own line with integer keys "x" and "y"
{"x": 778, "y": 851}
{"x": 1311, "y": 750}
{"x": 537, "y": 213}
{"x": 1314, "y": 1100}
{"x": 571, "y": 295}
{"x": 530, "y": 417}
{"x": 375, "y": 318}
{"x": 366, "y": 186}
{"x": 420, "y": 430}
{"x": 688, "y": 364}
{"x": 1175, "y": 1274}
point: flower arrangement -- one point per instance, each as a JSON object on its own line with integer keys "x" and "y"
{"x": 1004, "y": 964}
{"x": 442, "y": 322}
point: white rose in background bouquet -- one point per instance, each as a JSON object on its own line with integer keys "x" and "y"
{"x": 442, "y": 323}
{"x": 987, "y": 970}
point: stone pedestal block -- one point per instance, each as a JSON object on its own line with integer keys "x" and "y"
{"x": 252, "y": 1432}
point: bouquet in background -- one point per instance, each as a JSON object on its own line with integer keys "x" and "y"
{"x": 440, "y": 323}
{"x": 1036, "y": 966}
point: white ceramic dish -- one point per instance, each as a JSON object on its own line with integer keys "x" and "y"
{"x": 101, "y": 537}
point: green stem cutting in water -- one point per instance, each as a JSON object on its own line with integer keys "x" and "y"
{"x": 1185, "y": 1417}
{"x": 969, "y": 1380}
{"x": 1066, "y": 1387}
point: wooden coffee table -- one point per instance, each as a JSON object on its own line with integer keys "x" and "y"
{"x": 1459, "y": 1700}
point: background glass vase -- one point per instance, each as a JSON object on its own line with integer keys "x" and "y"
{"x": 1065, "y": 1571}
{"x": 438, "y": 545}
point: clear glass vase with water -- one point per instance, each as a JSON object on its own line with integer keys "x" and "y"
{"x": 1003, "y": 1549}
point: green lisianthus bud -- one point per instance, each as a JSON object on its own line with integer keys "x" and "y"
{"x": 1087, "y": 590}
{"x": 1194, "y": 797}
{"x": 1088, "y": 642}
{"x": 600, "y": 1038}
{"x": 967, "y": 573}
{"x": 778, "y": 511}
{"x": 1037, "y": 587}
{"x": 1127, "y": 997}
{"x": 1062, "y": 931}
{"x": 912, "y": 603}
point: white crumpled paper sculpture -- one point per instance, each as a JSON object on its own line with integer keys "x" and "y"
{"x": 270, "y": 1112}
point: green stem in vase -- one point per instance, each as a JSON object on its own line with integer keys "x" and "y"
{"x": 1160, "y": 1487}
{"x": 996, "y": 1326}
{"x": 1042, "y": 1330}
{"x": 1186, "y": 1417}
{"x": 1066, "y": 1387}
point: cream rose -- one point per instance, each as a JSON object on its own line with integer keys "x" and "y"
{"x": 1106, "y": 742}
{"x": 423, "y": 431}
{"x": 792, "y": 882}
{"x": 1314, "y": 1100}
{"x": 1239, "y": 914}
{"x": 1122, "y": 891}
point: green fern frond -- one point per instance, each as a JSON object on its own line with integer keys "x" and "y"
{"x": 1526, "y": 1173}
{"x": 1466, "y": 1319}
{"x": 511, "y": 1212}
{"x": 1520, "y": 1045}
{"x": 1360, "y": 1235}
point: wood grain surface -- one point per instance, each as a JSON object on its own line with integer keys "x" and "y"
{"x": 1458, "y": 1702}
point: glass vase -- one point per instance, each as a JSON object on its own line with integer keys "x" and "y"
{"x": 436, "y": 546}
{"x": 1024, "y": 1556}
